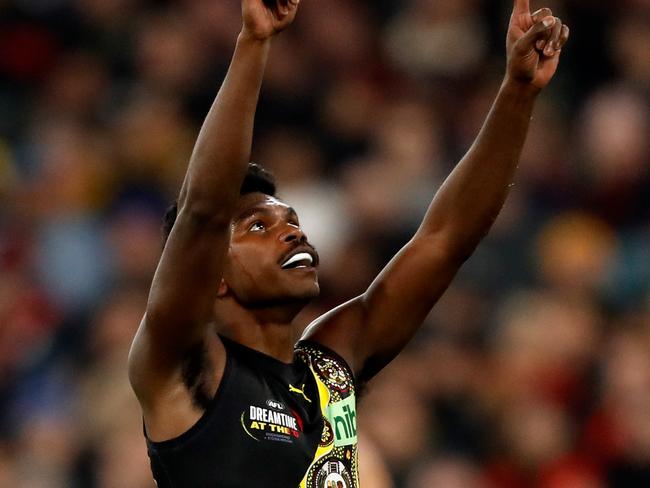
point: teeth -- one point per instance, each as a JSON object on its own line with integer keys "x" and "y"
{"x": 303, "y": 258}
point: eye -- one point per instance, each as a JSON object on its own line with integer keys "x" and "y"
{"x": 257, "y": 226}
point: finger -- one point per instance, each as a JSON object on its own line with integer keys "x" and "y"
{"x": 540, "y": 14}
{"x": 285, "y": 7}
{"x": 552, "y": 43}
{"x": 564, "y": 36}
{"x": 521, "y": 7}
{"x": 537, "y": 17}
{"x": 539, "y": 31}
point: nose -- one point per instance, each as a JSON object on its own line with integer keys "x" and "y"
{"x": 293, "y": 233}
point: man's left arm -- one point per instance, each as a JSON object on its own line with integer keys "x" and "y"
{"x": 370, "y": 330}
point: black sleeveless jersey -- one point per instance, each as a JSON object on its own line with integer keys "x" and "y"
{"x": 270, "y": 424}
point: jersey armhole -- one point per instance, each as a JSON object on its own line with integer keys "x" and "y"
{"x": 203, "y": 419}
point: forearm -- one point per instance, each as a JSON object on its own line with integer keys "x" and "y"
{"x": 470, "y": 199}
{"x": 222, "y": 150}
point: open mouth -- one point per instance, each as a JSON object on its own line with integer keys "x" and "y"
{"x": 299, "y": 260}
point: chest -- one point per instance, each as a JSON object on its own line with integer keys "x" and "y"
{"x": 273, "y": 415}
{"x": 278, "y": 412}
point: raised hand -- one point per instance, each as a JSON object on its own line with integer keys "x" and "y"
{"x": 265, "y": 18}
{"x": 534, "y": 44}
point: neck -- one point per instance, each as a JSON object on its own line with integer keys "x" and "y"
{"x": 269, "y": 330}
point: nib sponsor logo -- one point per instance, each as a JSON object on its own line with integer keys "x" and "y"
{"x": 343, "y": 417}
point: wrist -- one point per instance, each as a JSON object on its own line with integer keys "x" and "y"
{"x": 248, "y": 37}
{"x": 520, "y": 88}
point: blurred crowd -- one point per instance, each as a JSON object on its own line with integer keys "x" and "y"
{"x": 534, "y": 368}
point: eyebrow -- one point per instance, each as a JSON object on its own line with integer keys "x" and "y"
{"x": 249, "y": 212}
{"x": 259, "y": 209}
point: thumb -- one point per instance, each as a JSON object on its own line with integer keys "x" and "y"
{"x": 540, "y": 30}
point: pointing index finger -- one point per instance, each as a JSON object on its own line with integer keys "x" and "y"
{"x": 522, "y": 7}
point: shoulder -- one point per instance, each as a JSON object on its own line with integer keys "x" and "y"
{"x": 172, "y": 407}
{"x": 338, "y": 331}
{"x": 330, "y": 367}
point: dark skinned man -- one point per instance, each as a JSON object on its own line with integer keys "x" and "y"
{"x": 229, "y": 399}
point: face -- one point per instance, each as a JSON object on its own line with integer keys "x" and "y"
{"x": 270, "y": 261}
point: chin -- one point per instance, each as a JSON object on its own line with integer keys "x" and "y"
{"x": 306, "y": 293}
{"x": 304, "y": 286}
{"x": 297, "y": 295}
{"x": 314, "y": 292}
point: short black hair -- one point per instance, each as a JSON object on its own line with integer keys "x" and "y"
{"x": 257, "y": 179}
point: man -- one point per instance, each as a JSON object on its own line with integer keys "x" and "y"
{"x": 228, "y": 399}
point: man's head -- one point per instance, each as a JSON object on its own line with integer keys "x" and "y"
{"x": 270, "y": 262}
{"x": 257, "y": 180}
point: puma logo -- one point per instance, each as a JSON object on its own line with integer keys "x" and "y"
{"x": 293, "y": 389}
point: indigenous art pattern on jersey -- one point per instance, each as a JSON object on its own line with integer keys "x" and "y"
{"x": 335, "y": 463}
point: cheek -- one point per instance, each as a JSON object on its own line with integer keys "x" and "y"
{"x": 248, "y": 271}
{"x": 239, "y": 268}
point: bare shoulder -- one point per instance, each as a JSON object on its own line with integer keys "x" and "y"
{"x": 174, "y": 402}
{"x": 339, "y": 330}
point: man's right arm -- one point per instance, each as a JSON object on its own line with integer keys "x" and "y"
{"x": 189, "y": 272}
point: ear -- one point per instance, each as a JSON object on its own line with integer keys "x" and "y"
{"x": 222, "y": 291}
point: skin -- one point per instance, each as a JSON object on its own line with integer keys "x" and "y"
{"x": 220, "y": 270}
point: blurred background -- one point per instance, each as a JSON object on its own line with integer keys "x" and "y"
{"x": 532, "y": 371}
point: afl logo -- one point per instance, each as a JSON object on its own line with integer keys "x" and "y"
{"x": 275, "y": 404}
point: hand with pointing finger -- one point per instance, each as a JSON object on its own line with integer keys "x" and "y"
{"x": 534, "y": 44}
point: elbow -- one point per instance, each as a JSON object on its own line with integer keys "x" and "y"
{"x": 200, "y": 212}
{"x": 454, "y": 249}
{"x": 202, "y": 203}
{"x": 462, "y": 248}
{"x": 457, "y": 238}
{"x": 457, "y": 255}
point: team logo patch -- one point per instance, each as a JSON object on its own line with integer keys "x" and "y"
{"x": 277, "y": 424}
{"x": 333, "y": 374}
{"x": 327, "y": 436}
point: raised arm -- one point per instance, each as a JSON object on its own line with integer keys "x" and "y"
{"x": 188, "y": 275}
{"x": 371, "y": 329}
